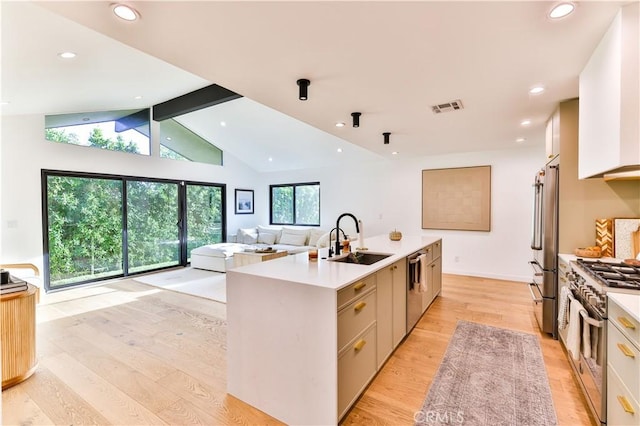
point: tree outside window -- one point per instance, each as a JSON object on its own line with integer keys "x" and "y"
{"x": 295, "y": 204}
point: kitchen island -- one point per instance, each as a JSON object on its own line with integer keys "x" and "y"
{"x": 304, "y": 338}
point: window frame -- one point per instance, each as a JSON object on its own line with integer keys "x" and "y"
{"x": 293, "y": 186}
{"x": 124, "y": 179}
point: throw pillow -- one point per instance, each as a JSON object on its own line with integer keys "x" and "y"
{"x": 314, "y": 236}
{"x": 270, "y": 230}
{"x": 247, "y": 236}
{"x": 265, "y": 238}
{"x": 293, "y": 239}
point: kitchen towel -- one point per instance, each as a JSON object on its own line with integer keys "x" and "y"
{"x": 573, "y": 335}
{"x": 563, "y": 311}
{"x": 422, "y": 287}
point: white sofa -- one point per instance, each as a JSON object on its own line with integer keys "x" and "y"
{"x": 219, "y": 257}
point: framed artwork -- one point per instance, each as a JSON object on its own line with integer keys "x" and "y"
{"x": 244, "y": 201}
{"x": 457, "y": 198}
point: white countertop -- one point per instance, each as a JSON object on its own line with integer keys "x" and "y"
{"x": 335, "y": 275}
{"x": 629, "y": 302}
{"x": 572, "y": 258}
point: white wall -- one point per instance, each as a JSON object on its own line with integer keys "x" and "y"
{"x": 385, "y": 196}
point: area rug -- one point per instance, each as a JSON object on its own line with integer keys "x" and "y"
{"x": 197, "y": 282}
{"x": 489, "y": 376}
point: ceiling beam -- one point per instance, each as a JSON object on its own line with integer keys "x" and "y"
{"x": 193, "y": 101}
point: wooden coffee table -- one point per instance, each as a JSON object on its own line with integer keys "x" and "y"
{"x": 248, "y": 257}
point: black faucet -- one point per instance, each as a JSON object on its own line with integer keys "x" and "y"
{"x": 338, "y": 226}
{"x": 338, "y": 230}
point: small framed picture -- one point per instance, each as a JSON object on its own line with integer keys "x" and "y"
{"x": 244, "y": 201}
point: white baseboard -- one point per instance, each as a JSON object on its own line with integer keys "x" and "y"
{"x": 517, "y": 278}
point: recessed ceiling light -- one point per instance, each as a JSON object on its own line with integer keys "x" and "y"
{"x": 339, "y": 124}
{"x": 137, "y": 97}
{"x": 339, "y": 150}
{"x": 125, "y": 12}
{"x": 536, "y": 90}
{"x": 561, "y": 10}
{"x": 525, "y": 122}
{"x": 67, "y": 55}
{"x": 223, "y": 123}
{"x": 86, "y": 119}
{"x": 394, "y": 153}
{"x": 270, "y": 159}
{"x": 168, "y": 138}
{"x": 520, "y": 140}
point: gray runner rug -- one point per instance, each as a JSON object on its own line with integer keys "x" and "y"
{"x": 489, "y": 376}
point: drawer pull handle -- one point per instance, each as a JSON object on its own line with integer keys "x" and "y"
{"x": 359, "y": 344}
{"x": 359, "y": 306}
{"x": 359, "y": 286}
{"x": 626, "y": 323}
{"x": 625, "y": 404}
{"x": 625, "y": 350}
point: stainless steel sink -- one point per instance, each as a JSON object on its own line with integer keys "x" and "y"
{"x": 361, "y": 258}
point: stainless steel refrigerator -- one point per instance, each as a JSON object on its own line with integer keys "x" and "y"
{"x": 544, "y": 243}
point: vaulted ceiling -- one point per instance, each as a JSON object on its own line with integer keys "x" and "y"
{"x": 391, "y": 61}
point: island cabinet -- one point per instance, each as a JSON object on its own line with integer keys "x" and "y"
{"x": 433, "y": 274}
{"x": 356, "y": 339}
{"x": 305, "y": 338}
{"x": 391, "y": 309}
{"x": 623, "y": 360}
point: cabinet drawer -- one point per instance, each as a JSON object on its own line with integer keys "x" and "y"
{"x": 356, "y": 289}
{"x": 355, "y": 317}
{"x": 356, "y": 367}
{"x": 625, "y": 322}
{"x": 625, "y": 359}
{"x": 622, "y": 409}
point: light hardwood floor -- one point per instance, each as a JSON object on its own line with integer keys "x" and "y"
{"x": 126, "y": 353}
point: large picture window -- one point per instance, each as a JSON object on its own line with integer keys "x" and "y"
{"x": 295, "y": 204}
{"x": 103, "y": 226}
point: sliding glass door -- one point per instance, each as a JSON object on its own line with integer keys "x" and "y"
{"x": 99, "y": 226}
{"x": 85, "y": 229}
{"x": 153, "y": 232}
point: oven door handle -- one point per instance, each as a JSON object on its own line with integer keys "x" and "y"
{"x": 533, "y": 296}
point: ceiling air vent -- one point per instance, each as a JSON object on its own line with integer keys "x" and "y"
{"x": 447, "y": 107}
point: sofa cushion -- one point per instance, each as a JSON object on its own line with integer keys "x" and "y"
{"x": 275, "y": 230}
{"x": 247, "y": 236}
{"x": 314, "y": 236}
{"x": 293, "y": 238}
{"x": 219, "y": 250}
{"x": 266, "y": 238}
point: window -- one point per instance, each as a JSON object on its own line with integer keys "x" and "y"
{"x": 295, "y": 204}
{"x": 104, "y": 226}
{"x": 124, "y": 130}
{"x": 178, "y": 142}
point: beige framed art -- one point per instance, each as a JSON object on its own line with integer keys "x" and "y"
{"x": 457, "y": 198}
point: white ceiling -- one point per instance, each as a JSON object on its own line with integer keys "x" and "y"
{"x": 389, "y": 60}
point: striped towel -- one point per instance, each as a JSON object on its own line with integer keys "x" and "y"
{"x": 563, "y": 311}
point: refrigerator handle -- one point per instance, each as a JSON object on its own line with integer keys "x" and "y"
{"x": 536, "y": 228}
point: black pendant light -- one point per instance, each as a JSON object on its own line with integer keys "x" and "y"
{"x": 303, "y": 83}
{"x": 356, "y": 118}
{"x": 386, "y": 137}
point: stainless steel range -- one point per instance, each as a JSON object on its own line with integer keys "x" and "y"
{"x": 589, "y": 283}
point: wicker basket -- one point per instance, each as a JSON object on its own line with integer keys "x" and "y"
{"x": 588, "y": 252}
{"x": 395, "y": 235}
